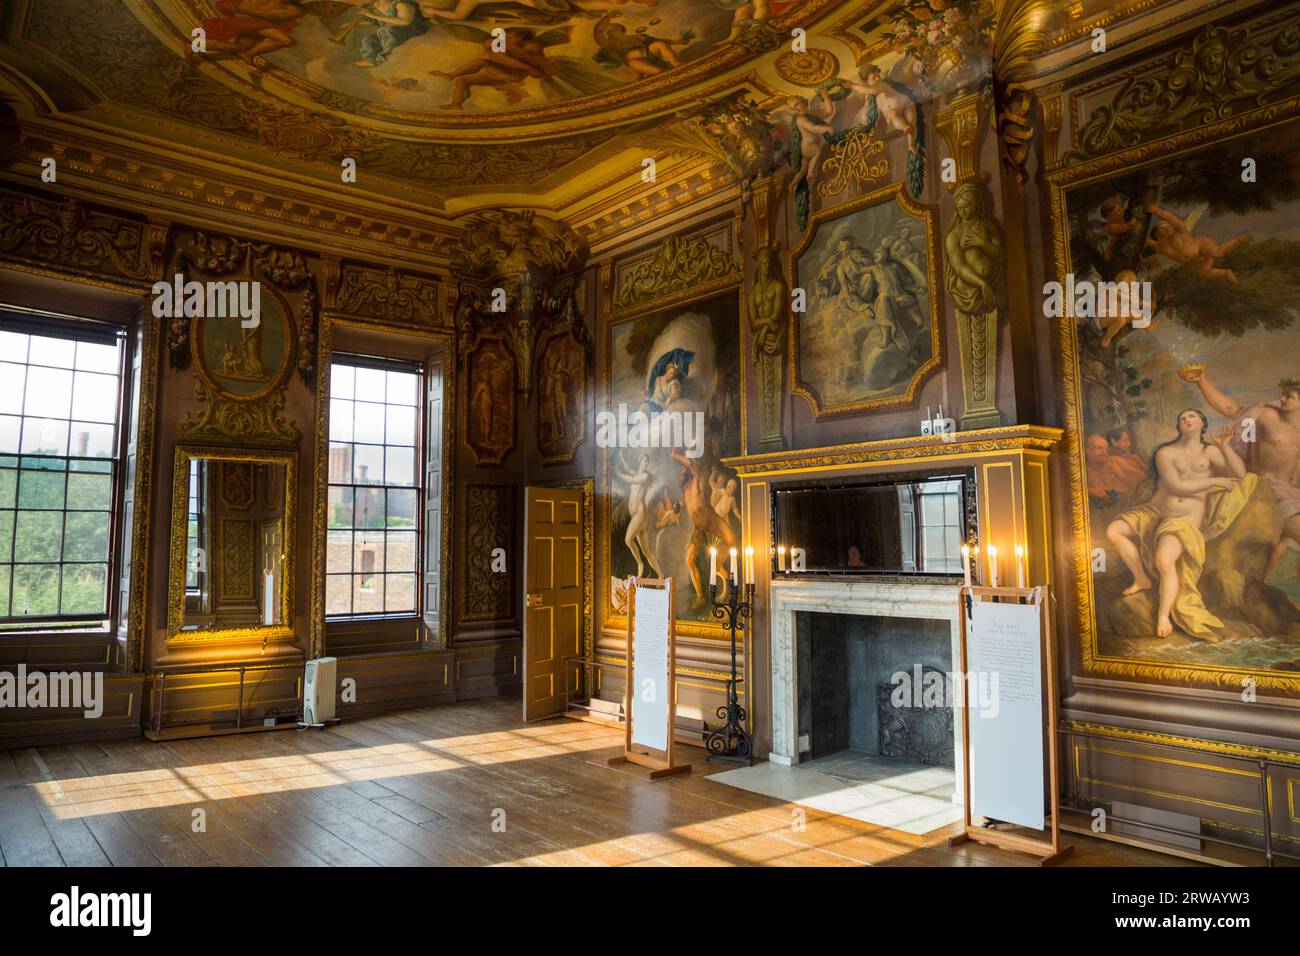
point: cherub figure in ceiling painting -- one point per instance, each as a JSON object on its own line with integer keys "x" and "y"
{"x": 397, "y": 21}
{"x": 639, "y": 51}
{"x": 523, "y": 58}
{"x": 888, "y": 100}
{"x": 252, "y": 28}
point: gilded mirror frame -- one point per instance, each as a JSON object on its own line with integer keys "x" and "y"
{"x": 176, "y": 564}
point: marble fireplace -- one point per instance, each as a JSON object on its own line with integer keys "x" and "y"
{"x": 852, "y": 634}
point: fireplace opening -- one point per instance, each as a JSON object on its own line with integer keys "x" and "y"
{"x": 874, "y": 692}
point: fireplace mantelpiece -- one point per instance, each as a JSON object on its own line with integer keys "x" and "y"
{"x": 794, "y": 593}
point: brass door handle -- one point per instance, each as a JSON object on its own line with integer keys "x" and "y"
{"x": 533, "y": 599}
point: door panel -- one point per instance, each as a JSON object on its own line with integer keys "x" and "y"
{"x": 553, "y": 603}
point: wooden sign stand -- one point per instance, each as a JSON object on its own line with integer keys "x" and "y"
{"x": 658, "y": 762}
{"x": 1054, "y": 851}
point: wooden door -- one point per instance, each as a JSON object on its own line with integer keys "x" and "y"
{"x": 553, "y": 619}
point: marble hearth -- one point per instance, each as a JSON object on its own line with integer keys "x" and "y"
{"x": 796, "y": 600}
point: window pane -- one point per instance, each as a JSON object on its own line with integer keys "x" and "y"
{"x": 340, "y": 507}
{"x": 369, "y": 423}
{"x": 84, "y": 589}
{"x": 338, "y": 552}
{"x": 94, "y": 397}
{"x": 369, "y": 464}
{"x": 6, "y": 535}
{"x": 40, "y": 536}
{"x": 10, "y": 425}
{"x": 89, "y": 492}
{"x": 340, "y": 420}
{"x": 370, "y": 508}
{"x": 370, "y": 385}
{"x": 368, "y": 594}
{"x": 13, "y": 346}
{"x": 370, "y": 552}
{"x": 8, "y": 487}
{"x": 49, "y": 391}
{"x": 85, "y": 536}
{"x": 13, "y": 379}
{"x": 401, "y": 425}
{"x": 51, "y": 351}
{"x": 6, "y": 573}
{"x": 41, "y": 489}
{"x": 341, "y": 463}
{"x": 342, "y": 381}
{"x": 91, "y": 440}
{"x": 401, "y": 508}
{"x": 44, "y": 436}
{"x": 94, "y": 357}
{"x": 338, "y": 594}
{"x": 400, "y": 551}
{"x": 399, "y": 592}
{"x": 401, "y": 388}
{"x": 36, "y": 590}
{"x": 400, "y": 466}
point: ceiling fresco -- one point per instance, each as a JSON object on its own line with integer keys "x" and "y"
{"x": 456, "y": 99}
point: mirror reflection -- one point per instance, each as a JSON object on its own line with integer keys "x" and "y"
{"x": 234, "y": 544}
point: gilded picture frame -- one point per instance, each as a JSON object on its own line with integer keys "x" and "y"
{"x": 1081, "y": 607}
{"x": 729, "y": 285}
{"x": 176, "y": 565}
{"x": 927, "y": 220}
{"x": 231, "y": 358}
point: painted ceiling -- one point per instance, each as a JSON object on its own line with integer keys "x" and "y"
{"x": 446, "y": 98}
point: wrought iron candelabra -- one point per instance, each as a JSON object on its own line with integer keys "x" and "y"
{"x": 731, "y": 741}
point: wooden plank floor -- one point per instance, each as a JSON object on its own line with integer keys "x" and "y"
{"x": 425, "y": 787}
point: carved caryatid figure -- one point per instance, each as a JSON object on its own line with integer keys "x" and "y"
{"x": 767, "y": 324}
{"x": 972, "y": 254}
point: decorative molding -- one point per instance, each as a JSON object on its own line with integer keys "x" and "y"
{"x": 386, "y": 294}
{"x": 1213, "y": 76}
{"x": 962, "y": 127}
{"x": 562, "y": 412}
{"x": 488, "y": 510}
{"x": 221, "y": 420}
{"x": 769, "y": 324}
{"x": 808, "y": 68}
{"x": 891, "y": 451}
{"x": 678, "y": 265}
{"x": 491, "y": 423}
{"x": 67, "y": 237}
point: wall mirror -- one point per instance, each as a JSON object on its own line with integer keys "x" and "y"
{"x": 232, "y": 540}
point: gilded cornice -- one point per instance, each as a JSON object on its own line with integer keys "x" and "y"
{"x": 1009, "y": 438}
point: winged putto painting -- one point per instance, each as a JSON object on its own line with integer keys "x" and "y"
{"x": 1191, "y": 426}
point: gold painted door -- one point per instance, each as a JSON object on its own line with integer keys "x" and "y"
{"x": 553, "y": 524}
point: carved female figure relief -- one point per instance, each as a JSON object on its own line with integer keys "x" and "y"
{"x": 972, "y": 254}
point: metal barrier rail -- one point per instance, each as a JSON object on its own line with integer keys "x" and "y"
{"x": 1263, "y": 763}
{"x": 189, "y": 670}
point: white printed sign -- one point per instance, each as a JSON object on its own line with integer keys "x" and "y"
{"x": 650, "y": 692}
{"x": 1006, "y": 740}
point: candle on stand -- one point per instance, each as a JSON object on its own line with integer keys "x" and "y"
{"x": 780, "y": 557}
{"x": 749, "y": 565}
{"x": 993, "y": 565}
{"x": 733, "y": 567}
{"x": 965, "y": 562}
{"x": 713, "y": 566}
{"x": 1020, "y": 566}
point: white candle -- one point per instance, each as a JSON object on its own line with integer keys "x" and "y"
{"x": 713, "y": 566}
{"x": 993, "y": 565}
{"x": 733, "y": 566}
{"x": 780, "y": 557}
{"x": 1020, "y": 566}
{"x": 965, "y": 562}
{"x": 749, "y": 565}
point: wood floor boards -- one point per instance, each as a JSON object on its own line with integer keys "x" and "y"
{"x": 461, "y": 785}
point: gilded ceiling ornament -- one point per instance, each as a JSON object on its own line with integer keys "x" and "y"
{"x": 854, "y": 162}
{"x": 1024, "y": 31}
{"x": 677, "y": 265}
{"x": 1220, "y": 73}
{"x": 808, "y": 68}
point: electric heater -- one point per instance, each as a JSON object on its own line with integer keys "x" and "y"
{"x": 318, "y": 691}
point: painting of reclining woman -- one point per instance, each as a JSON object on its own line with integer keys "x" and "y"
{"x": 673, "y": 499}
{"x": 870, "y": 331}
{"x": 1191, "y": 421}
